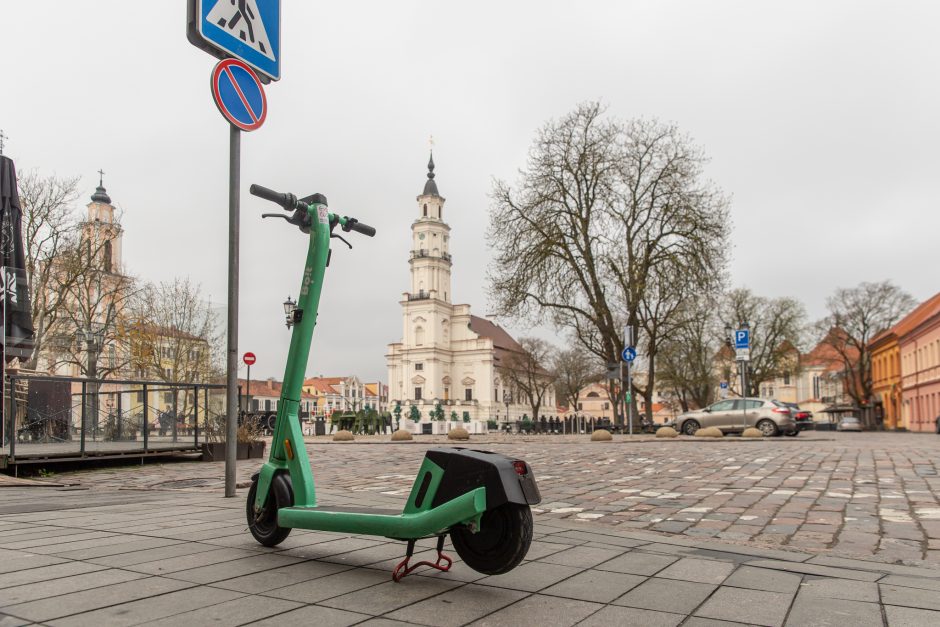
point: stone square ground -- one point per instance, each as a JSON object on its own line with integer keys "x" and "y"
{"x": 822, "y": 530}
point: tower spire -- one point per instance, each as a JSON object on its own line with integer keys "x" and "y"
{"x": 430, "y": 186}
{"x": 101, "y": 194}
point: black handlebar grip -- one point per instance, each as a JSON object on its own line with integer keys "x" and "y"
{"x": 269, "y": 194}
{"x": 365, "y": 229}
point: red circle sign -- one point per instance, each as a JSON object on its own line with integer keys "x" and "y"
{"x": 238, "y": 94}
{"x": 249, "y": 359}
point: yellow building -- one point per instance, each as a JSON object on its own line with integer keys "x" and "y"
{"x": 886, "y": 377}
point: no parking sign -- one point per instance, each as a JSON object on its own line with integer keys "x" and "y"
{"x": 238, "y": 94}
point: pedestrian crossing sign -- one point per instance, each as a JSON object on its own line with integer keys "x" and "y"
{"x": 249, "y": 30}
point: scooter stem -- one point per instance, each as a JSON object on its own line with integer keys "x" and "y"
{"x": 294, "y": 456}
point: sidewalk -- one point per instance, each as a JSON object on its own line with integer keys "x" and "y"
{"x": 123, "y": 557}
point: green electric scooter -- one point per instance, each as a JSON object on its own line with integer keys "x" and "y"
{"x": 481, "y": 499}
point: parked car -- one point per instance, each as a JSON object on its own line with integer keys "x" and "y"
{"x": 802, "y": 417}
{"x": 736, "y": 414}
{"x": 849, "y": 423}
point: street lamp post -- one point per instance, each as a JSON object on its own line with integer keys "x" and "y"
{"x": 507, "y": 399}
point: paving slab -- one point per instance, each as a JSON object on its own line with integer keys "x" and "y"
{"x": 240, "y": 611}
{"x": 457, "y": 607}
{"x": 327, "y": 587}
{"x": 845, "y": 589}
{"x": 911, "y": 617}
{"x": 697, "y": 570}
{"x": 313, "y": 615}
{"x": 538, "y": 609}
{"x": 909, "y": 597}
{"x": 754, "y": 607}
{"x": 272, "y": 579}
{"x": 667, "y": 595}
{"x": 153, "y": 607}
{"x": 88, "y": 600}
{"x": 64, "y": 585}
{"x": 638, "y": 563}
{"x": 631, "y": 617}
{"x": 764, "y": 579}
{"x": 389, "y": 596}
{"x": 813, "y": 611}
{"x": 531, "y": 576}
{"x": 595, "y": 585}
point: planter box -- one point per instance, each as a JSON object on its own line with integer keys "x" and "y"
{"x": 215, "y": 451}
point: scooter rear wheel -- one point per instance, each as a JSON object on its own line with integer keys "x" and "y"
{"x": 500, "y": 544}
{"x": 264, "y": 526}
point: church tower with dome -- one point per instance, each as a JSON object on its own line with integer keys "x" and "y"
{"x": 447, "y": 357}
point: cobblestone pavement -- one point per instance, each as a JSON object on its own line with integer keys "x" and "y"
{"x": 104, "y": 557}
{"x": 872, "y": 495}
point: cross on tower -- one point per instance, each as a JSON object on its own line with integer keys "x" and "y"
{"x": 2, "y": 138}
{"x": 100, "y": 178}
{"x": 431, "y": 142}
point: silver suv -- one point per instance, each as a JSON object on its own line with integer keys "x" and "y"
{"x": 736, "y": 414}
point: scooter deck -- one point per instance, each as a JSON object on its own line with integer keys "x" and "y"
{"x": 386, "y": 522}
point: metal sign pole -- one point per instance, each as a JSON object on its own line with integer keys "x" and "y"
{"x": 630, "y": 393}
{"x": 231, "y": 374}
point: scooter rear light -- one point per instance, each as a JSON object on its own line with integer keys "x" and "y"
{"x": 520, "y": 467}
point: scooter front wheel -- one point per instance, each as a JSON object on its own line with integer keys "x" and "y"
{"x": 263, "y": 525}
{"x": 502, "y": 541}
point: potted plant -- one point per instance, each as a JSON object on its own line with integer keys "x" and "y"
{"x": 249, "y": 443}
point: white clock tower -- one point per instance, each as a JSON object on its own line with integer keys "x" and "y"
{"x": 447, "y": 358}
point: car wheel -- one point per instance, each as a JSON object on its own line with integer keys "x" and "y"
{"x": 768, "y": 428}
{"x": 689, "y": 427}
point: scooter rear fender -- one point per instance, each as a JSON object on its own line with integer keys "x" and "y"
{"x": 506, "y": 479}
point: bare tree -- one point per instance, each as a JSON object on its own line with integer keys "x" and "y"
{"x": 50, "y": 232}
{"x": 612, "y": 224}
{"x": 777, "y": 327}
{"x": 525, "y": 371}
{"x": 173, "y": 334}
{"x": 686, "y": 359}
{"x": 89, "y": 330}
{"x": 574, "y": 369}
{"x": 856, "y": 316}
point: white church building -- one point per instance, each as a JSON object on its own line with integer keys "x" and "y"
{"x": 447, "y": 356}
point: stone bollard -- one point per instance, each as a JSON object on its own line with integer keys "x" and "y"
{"x": 343, "y": 436}
{"x": 710, "y": 432}
{"x": 601, "y": 435}
{"x": 666, "y": 432}
{"x": 402, "y": 436}
{"x": 751, "y": 432}
{"x": 458, "y": 433}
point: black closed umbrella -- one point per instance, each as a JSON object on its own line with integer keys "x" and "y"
{"x": 18, "y": 335}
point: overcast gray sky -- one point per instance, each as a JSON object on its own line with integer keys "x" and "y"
{"x": 820, "y": 119}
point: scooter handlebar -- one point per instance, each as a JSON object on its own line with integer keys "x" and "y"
{"x": 352, "y": 224}
{"x": 287, "y": 201}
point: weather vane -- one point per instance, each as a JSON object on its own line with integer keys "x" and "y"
{"x": 2, "y": 138}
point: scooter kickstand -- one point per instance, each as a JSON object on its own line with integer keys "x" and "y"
{"x": 403, "y": 569}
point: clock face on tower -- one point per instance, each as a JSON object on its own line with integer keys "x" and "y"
{"x": 420, "y": 235}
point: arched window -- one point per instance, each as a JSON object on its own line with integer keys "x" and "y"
{"x": 106, "y": 262}
{"x": 419, "y": 335}
{"x": 425, "y": 210}
{"x": 593, "y": 395}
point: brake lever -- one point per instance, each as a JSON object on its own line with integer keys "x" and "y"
{"x": 340, "y": 238}
{"x": 275, "y": 215}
